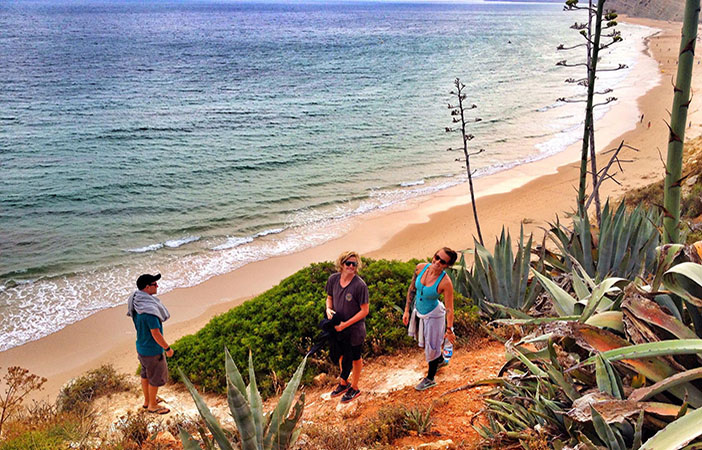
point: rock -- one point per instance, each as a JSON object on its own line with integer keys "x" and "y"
{"x": 691, "y": 181}
{"x": 447, "y": 444}
{"x": 323, "y": 379}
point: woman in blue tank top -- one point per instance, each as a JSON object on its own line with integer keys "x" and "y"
{"x": 429, "y": 317}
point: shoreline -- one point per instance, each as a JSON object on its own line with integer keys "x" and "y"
{"x": 530, "y": 194}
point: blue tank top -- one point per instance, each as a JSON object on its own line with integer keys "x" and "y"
{"x": 427, "y": 297}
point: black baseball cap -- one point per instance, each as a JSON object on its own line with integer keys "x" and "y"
{"x": 146, "y": 279}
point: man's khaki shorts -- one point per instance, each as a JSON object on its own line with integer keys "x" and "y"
{"x": 154, "y": 369}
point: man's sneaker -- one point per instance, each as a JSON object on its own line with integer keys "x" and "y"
{"x": 350, "y": 395}
{"x": 340, "y": 389}
{"x": 425, "y": 384}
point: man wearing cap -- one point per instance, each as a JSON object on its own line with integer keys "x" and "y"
{"x": 148, "y": 314}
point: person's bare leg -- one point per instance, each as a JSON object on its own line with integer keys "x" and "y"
{"x": 145, "y": 390}
{"x": 153, "y": 403}
{"x": 357, "y": 366}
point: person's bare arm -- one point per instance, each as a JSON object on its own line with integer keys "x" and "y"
{"x": 446, "y": 289}
{"x": 160, "y": 340}
{"x": 411, "y": 292}
{"x": 330, "y": 307}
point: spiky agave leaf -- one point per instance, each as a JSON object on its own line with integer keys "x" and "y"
{"x": 238, "y": 400}
{"x": 608, "y": 380}
{"x": 536, "y": 321}
{"x": 210, "y": 420}
{"x": 638, "y": 431}
{"x": 188, "y": 442}
{"x": 607, "y": 319}
{"x": 652, "y": 349}
{"x": 233, "y": 373}
{"x": 598, "y": 294}
{"x": 562, "y": 301}
{"x": 241, "y": 412}
{"x": 625, "y": 243}
{"x": 288, "y": 434}
{"x": 685, "y": 280}
{"x": 647, "y": 392}
{"x": 255, "y": 402}
{"x": 280, "y": 412}
{"x": 650, "y": 312}
{"x": 595, "y": 339}
{"x": 608, "y": 435}
{"x": 665, "y": 255}
{"x": 501, "y": 278}
{"x": 677, "y": 434}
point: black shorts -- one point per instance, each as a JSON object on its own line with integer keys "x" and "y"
{"x": 154, "y": 369}
{"x": 356, "y": 351}
{"x": 353, "y": 350}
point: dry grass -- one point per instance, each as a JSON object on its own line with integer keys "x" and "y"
{"x": 81, "y": 391}
{"x": 389, "y": 424}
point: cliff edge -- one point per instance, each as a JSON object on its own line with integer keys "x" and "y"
{"x": 650, "y": 9}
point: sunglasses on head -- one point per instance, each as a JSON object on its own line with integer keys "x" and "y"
{"x": 438, "y": 258}
{"x": 350, "y": 263}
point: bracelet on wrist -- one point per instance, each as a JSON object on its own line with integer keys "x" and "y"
{"x": 168, "y": 349}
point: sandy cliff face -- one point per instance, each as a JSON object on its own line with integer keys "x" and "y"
{"x": 651, "y": 9}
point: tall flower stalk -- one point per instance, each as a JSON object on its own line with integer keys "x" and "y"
{"x": 678, "y": 119}
{"x": 458, "y": 113}
{"x": 593, "y": 45}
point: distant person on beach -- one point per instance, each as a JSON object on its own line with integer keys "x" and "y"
{"x": 148, "y": 314}
{"x": 347, "y": 299}
{"x": 428, "y": 317}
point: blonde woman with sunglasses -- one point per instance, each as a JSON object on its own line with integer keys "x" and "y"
{"x": 429, "y": 317}
{"x": 347, "y": 302}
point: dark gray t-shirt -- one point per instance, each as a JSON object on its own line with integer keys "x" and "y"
{"x": 347, "y": 302}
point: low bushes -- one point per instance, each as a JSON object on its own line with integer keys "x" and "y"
{"x": 279, "y": 326}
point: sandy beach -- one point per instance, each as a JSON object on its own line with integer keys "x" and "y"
{"x": 531, "y": 194}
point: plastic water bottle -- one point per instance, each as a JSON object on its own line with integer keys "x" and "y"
{"x": 448, "y": 351}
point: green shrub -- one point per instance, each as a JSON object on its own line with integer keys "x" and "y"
{"x": 280, "y": 325}
{"x": 98, "y": 382}
{"x": 35, "y": 440}
{"x": 30, "y": 432}
{"x": 466, "y": 319}
{"x": 418, "y": 418}
{"x": 691, "y": 204}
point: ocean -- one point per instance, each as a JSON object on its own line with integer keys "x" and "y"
{"x": 194, "y": 137}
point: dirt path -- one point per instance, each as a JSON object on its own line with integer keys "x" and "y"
{"x": 386, "y": 381}
{"x": 391, "y": 380}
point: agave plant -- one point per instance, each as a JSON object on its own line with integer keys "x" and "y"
{"x": 624, "y": 246}
{"x": 274, "y": 431}
{"x": 498, "y": 282}
{"x": 635, "y": 385}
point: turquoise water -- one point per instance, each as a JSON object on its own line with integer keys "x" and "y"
{"x": 194, "y": 137}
